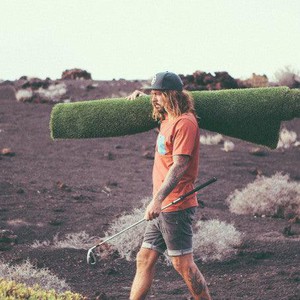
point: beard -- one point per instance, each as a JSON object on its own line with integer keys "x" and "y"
{"x": 157, "y": 109}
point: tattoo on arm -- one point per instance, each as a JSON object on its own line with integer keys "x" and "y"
{"x": 174, "y": 175}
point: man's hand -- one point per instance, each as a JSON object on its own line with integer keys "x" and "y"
{"x": 153, "y": 210}
{"x": 135, "y": 94}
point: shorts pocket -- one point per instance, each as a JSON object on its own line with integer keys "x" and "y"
{"x": 188, "y": 215}
{"x": 171, "y": 218}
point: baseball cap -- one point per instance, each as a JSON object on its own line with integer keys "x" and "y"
{"x": 166, "y": 81}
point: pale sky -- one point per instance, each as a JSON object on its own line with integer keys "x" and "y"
{"x": 134, "y": 39}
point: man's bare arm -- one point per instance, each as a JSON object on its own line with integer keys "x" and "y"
{"x": 175, "y": 173}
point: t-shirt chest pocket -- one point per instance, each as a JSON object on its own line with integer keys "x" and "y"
{"x": 164, "y": 144}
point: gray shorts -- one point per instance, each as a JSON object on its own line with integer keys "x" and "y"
{"x": 171, "y": 231}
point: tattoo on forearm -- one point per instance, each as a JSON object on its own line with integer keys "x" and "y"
{"x": 174, "y": 175}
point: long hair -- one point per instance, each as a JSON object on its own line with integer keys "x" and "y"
{"x": 176, "y": 103}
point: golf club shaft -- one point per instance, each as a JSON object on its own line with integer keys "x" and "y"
{"x": 118, "y": 233}
{"x": 199, "y": 187}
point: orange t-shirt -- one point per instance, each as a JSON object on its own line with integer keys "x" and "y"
{"x": 178, "y": 136}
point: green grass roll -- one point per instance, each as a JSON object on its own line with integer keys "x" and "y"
{"x": 101, "y": 118}
{"x": 252, "y": 115}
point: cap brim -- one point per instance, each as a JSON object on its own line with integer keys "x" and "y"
{"x": 152, "y": 88}
{"x": 159, "y": 89}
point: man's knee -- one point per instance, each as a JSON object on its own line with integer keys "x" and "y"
{"x": 146, "y": 258}
{"x": 182, "y": 263}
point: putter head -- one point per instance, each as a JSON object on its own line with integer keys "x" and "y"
{"x": 91, "y": 257}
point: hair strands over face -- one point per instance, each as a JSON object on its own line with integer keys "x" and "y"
{"x": 176, "y": 103}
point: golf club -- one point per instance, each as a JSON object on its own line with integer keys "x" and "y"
{"x": 91, "y": 257}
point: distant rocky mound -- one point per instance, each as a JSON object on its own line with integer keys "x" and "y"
{"x": 200, "y": 81}
{"x": 76, "y": 74}
{"x": 77, "y": 85}
{"x": 69, "y": 89}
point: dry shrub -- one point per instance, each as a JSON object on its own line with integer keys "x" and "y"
{"x": 287, "y": 139}
{"x": 24, "y": 95}
{"x": 211, "y": 139}
{"x": 276, "y": 196}
{"x": 228, "y": 146}
{"x": 79, "y": 240}
{"x": 54, "y": 93}
{"x": 213, "y": 240}
{"x": 128, "y": 243}
{"x": 256, "y": 81}
{"x": 216, "y": 240}
{"x": 216, "y": 139}
{"x": 38, "y": 244}
{"x": 28, "y": 274}
{"x": 288, "y": 77}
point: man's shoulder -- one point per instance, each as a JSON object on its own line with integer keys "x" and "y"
{"x": 187, "y": 119}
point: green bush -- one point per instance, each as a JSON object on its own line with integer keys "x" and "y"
{"x": 252, "y": 115}
{"x": 10, "y": 290}
{"x": 276, "y": 196}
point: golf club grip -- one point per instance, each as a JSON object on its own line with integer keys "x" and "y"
{"x": 199, "y": 187}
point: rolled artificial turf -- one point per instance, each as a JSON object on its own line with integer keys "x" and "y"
{"x": 253, "y": 115}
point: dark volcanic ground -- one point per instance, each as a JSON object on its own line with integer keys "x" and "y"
{"x": 35, "y": 206}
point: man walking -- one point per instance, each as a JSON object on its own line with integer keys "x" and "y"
{"x": 174, "y": 172}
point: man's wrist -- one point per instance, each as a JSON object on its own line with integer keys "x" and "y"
{"x": 157, "y": 199}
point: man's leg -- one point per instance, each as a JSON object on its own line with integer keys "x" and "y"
{"x": 193, "y": 278}
{"x": 145, "y": 263}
